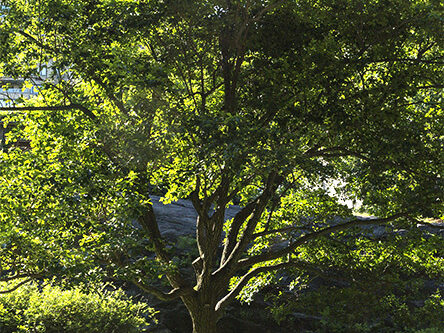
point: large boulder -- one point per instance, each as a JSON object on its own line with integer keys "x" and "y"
{"x": 179, "y": 218}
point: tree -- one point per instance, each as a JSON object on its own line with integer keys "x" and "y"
{"x": 249, "y": 101}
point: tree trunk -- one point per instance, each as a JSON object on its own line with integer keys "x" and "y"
{"x": 204, "y": 322}
{"x": 203, "y": 316}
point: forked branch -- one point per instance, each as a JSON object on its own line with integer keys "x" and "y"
{"x": 254, "y": 272}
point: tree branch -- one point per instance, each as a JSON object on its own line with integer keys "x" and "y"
{"x": 335, "y": 151}
{"x": 50, "y": 108}
{"x": 390, "y": 60}
{"x": 435, "y": 226}
{"x": 277, "y": 231}
{"x": 36, "y": 41}
{"x": 173, "y": 294}
{"x": 314, "y": 235}
{"x": 230, "y": 262}
{"x": 16, "y": 286}
{"x": 20, "y": 276}
{"x": 247, "y": 277}
{"x": 238, "y": 220}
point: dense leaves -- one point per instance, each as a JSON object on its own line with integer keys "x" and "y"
{"x": 274, "y": 105}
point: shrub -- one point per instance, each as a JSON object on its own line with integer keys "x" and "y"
{"x": 52, "y": 309}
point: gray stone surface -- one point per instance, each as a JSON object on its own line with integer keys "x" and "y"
{"x": 179, "y": 218}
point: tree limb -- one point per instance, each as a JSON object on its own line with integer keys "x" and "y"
{"x": 230, "y": 263}
{"x": 50, "y": 108}
{"x": 20, "y": 276}
{"x": 16, "y": 286}
{"x": 335, "y": 151}
{"x": 435, "y": 226}
{"x": 35, "y": 40}
{"x": 247, "y": 277}
{"x": 277, "y": 231}
{"x": 314, "y": 235}
{"x": 173, "y": 294}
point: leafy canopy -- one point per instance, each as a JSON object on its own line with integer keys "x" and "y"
{"x": 252, "y": 102}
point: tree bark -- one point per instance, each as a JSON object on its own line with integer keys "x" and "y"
{"x": 204, "y": 320}
{"x": 202, "y": 308}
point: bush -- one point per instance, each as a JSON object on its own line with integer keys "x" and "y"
{"x": 53, "y": 310}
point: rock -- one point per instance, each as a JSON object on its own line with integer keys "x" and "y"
{"x": 172, "y": 316}
{"x": 437, "y": 227}
{"x": 179, "y": 218}
{"x": 416, "y": 303}
{"x": 231, "y": 324}
{"x": 159, "y": 330}
{"x": 177, "y": 320}
{"x": 304, "y": 316}
{"x": 431, "y": 286}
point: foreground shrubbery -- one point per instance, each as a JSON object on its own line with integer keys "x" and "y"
{"x": 54, "y": 310}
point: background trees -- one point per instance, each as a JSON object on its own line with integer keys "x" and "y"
{"x": 253, "y": 102}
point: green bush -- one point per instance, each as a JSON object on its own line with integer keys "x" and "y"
{"x": 53, "y": 310}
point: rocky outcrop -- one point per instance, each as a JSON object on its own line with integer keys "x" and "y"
{"x": 179, "y": 218}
